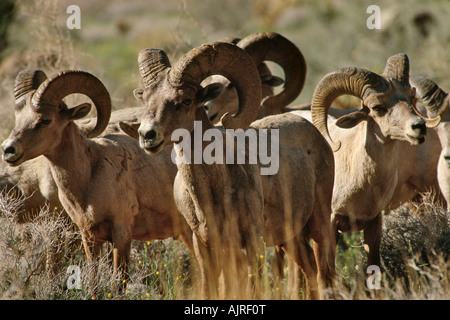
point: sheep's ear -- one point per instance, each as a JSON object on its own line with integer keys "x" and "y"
{"x": 79, "y": 111}
{"x": 210, "y": 92}
{"x": 352, "y": 119}
{"x": 138, "y": 94}
{"x": 130, "y": 129}
{"x": 272, "y": 81}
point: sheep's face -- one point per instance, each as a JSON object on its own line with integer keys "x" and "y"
{"x": 392, "y": 114}
{"x": 226, "y": 102}
{"x": 443, "y": 130}
{"x": 168, "y": 108}
{"x": 37, "y": 131}
{"x": 396, "y": 118}
{"x": 444, "y": 136}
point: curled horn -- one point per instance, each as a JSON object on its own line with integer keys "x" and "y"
{"x": 354, "y": 81}
{"x": 26, "y": 81}
{"x": 397, "y": 68}
{"x": 53, "y": 90}
{"x": 151, "y": 63}
{"x": 434, "y": 98}
{"x": 271, "y": 46}
{"x": 231, "y": 62}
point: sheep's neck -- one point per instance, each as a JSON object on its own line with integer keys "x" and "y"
{"x": 71, "y": 164}
{"x": 372, "y": 165}
{"x": 207, "y": 194}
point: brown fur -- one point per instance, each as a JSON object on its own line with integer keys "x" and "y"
{"x": 101, "y": 181}
{"x": 230, "y": 207}
{"x": 33, "y": 180}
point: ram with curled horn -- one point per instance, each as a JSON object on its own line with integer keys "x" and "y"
{"x": 437, "y": 104}
{"x": 230, "y": 207}
{"x": 32, "y": 181}
{"x": 101, "y": 181}
{"x": 366, "y": 143}
{"x": 264, "y": 46}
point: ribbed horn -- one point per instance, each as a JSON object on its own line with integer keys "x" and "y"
{"x": 271, "y": 46}
{"x": 230, "y": 61}
{"x": 397, "y": 68}
{"x": 26, "y": 81}
{"x": 433, "y": 97}
{"x": 53, "y": 90}
{"x": 353, "y": 81}
{"x": 151, "y": 63}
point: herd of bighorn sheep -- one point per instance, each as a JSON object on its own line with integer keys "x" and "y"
{"x": 121, "y": 176}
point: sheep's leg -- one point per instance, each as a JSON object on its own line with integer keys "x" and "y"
{"x": 121, "y": 239}
{"x": 299, "y": 250}
{"x": 294, "y": 276}
{"x": 254, "y": 272}
{"x": 278, "y": 269}
{"x": 209, "y": 269}
{"x": 92, "y": 249}
{"x": 372, "y": 240}
{"x": 200, "y": 257}
{"x": 324, "y": 244}
{"x": 186, "y": 237}
{"x": 236, "y": 273}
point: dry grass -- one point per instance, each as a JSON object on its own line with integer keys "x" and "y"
{"x": 35, "y": 257}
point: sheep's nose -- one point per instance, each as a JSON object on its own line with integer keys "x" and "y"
{"x": 10, "y": 151}
{"x": 420, "y": 126}
{"x": 150, "y": 135}
{"x": 8, "y": 147}
{"x": 447, "y": 160}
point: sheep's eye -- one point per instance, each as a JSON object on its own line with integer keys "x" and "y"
{"x": 378, "y": 108}
{"x": 45, "y": 122}
{"x": 187, "y": 102}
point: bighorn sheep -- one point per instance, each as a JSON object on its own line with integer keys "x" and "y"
{"x": 231, "y": 206}
{"x": 366, "y": 153}
{"x": 33, "y": 181}
{"x": 417, "y": 164}
{"x": 436, "y": 102}
{"x": 109, "y": 187}
{"x": 264, "y": 46}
